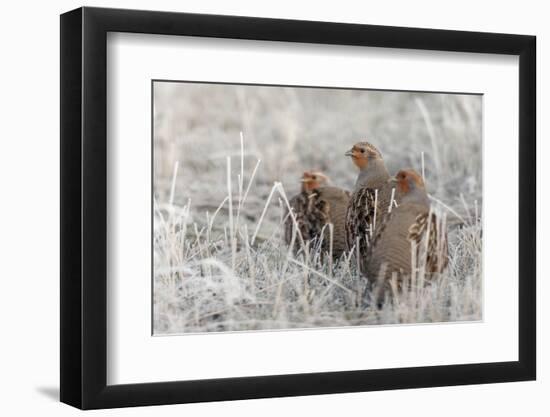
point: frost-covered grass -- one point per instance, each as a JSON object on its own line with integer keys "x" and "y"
{"x": 227, "y": 157}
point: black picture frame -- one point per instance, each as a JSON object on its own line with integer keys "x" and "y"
{"x": 84, "y": 207}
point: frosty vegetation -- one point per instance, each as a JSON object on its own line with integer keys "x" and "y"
{"x": 227, "y": 158}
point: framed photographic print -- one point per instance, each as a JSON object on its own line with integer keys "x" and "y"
{"x": 257, "y": 207}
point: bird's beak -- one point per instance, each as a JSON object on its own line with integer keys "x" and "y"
{"x": 306, "y": 180}
{"x": 349, "y": 153}
{"x": 392, "y": 180}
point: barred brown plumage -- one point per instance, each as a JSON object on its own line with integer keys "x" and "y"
{"x": 370, "y": 200}
{"x": 412, "y": 239}
{"x": 316, "y": 207}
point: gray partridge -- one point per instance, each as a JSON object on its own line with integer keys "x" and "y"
{"x": 412, "y": 231}
{"x": 370, "y": 200}
{"x": 314, "y": 208}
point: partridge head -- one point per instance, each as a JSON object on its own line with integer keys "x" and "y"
{"x": 409, "y": 187}
{"x": 372, "y": 169}
{"x": 363, "y": 154}
{"x": 312, "y": 180}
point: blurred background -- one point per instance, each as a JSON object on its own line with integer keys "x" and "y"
{"x": 295, "y": 129}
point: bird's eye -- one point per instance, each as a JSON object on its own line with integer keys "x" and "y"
{"x": 314, "y": 177}
{"x": 362, "y": 151}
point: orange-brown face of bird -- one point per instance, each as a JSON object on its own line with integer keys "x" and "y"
{"x": 408, "y": 179}
{"x": 363, "y": 152}
{"x": 313, "y": 180}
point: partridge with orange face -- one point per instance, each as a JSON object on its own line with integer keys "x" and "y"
{"x": 370, "y": 200}
{"x": 411, "y": 237}
{"x": 316, "y": 207}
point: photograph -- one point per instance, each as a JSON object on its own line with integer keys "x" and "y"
{"x": 281, "y": 207}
